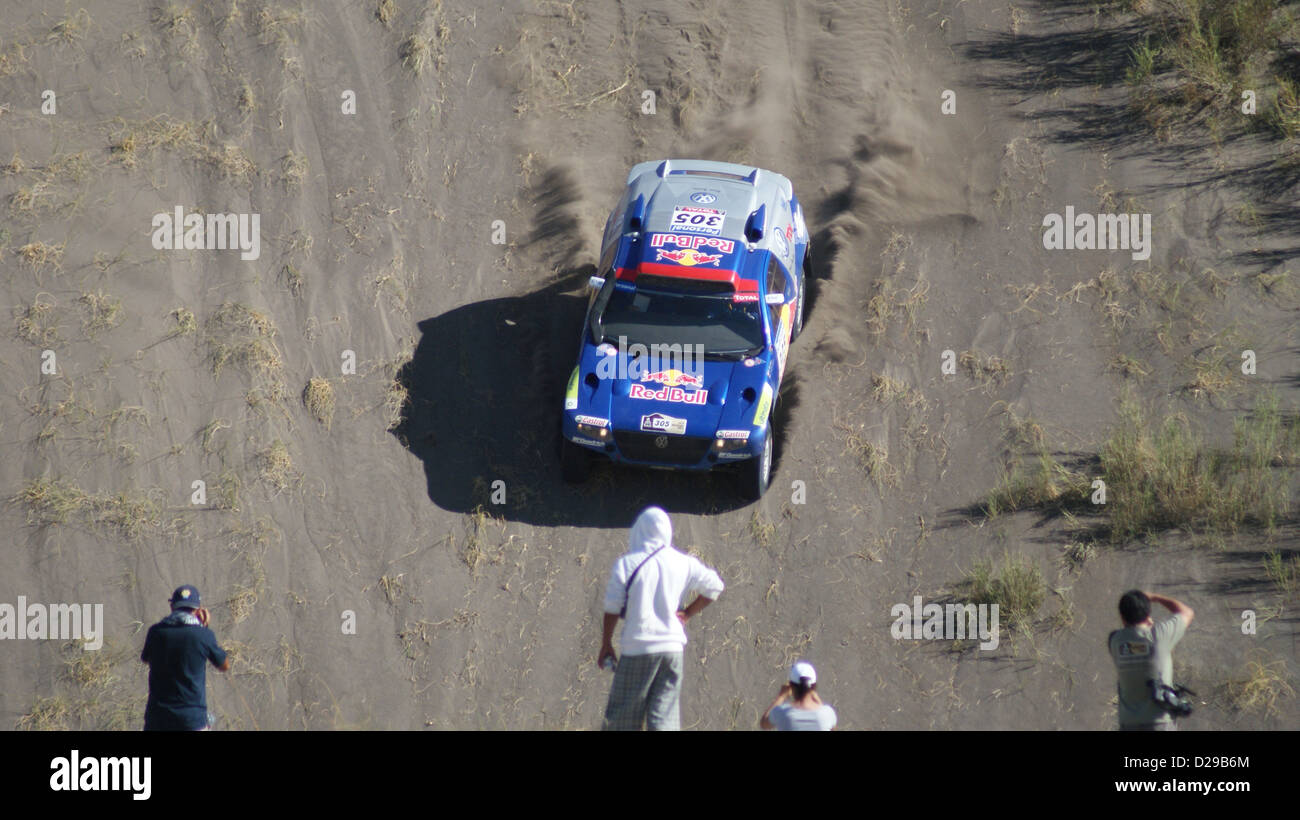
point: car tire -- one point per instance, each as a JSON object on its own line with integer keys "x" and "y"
{"x": 756, "y": 473}
{"x": 575, "y": 462}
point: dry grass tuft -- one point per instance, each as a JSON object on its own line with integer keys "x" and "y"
{"x": 39, "y": 254}
{"x": 1264, "y": 684}
{"x": 103, "y": 312}
{"x": 276, "y": 467}
{"x": 245, "y": 338}
{"x": 318, "y": 396}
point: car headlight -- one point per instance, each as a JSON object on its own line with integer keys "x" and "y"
{"x": 728, "y": 441}
{"x": 592, "y": 431}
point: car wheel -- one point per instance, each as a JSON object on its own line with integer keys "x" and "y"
{"x": 758, "y": 471}
{"x": 798, "y": 316}
{"x": 575, "y": 462}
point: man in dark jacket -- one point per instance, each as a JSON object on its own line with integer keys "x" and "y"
{"x": 177, "y": 649}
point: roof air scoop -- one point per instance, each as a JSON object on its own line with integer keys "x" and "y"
{"x": 752, "y": 179}
{"x": 636, "y": 214}
{"x": 663, "y": 169}
{"x": 756, "y": 225}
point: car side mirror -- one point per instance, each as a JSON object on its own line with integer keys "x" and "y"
{"x": 774, "y": 298}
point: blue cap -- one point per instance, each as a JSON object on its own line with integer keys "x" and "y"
{"x": 185, "y": 597}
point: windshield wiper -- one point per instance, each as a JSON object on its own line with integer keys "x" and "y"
{"x": 733, "y": 355}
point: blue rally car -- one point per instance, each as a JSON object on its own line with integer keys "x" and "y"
{"x": 699, "y": 292}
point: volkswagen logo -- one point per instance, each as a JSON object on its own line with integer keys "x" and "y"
{"x": 661, "y": 442}
{"x": 703, "y": 197}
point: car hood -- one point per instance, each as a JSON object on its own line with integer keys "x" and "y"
{"x": 697, "y": 401}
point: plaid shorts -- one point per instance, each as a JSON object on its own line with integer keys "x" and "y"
{"x": 647, "y": 690}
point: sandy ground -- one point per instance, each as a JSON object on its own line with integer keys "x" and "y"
{"x": 377, "y": 233}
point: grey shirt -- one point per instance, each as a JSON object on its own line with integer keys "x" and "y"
{"x": 1143, "y": 653}
{"x": 790, "y": 718}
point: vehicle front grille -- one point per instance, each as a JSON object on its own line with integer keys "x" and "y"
{"x": 675, "y": 449}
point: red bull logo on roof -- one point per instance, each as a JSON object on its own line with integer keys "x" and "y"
{"x": 692, "y": 242}
{"x": 688, "y": 257}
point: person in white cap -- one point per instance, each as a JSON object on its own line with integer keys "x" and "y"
{"x": 648, "y": 586}
{"x": 805, "y": 711}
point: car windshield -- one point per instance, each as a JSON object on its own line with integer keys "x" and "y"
{"x": 723, "y": 326}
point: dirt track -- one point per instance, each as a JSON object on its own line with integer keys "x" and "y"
{"x": 377, "y": 234}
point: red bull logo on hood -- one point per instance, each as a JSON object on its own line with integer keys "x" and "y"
{"x": 671, "y": 394}
{"x": 674, "y": 378}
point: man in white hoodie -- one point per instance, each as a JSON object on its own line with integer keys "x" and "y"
{"x": 648, "y": 586}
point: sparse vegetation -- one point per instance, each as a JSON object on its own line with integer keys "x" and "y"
{"x": 130, "y": 141}
{"x": 1164, "y": 476}
{"x": 47, "y": 714}
{"x": 243, "y": 337}
{"x": 1203, "y": 54}
{"x": 423, "y": 48}
{"x": 276, "y": 467}
{"x": 227, "y": 491}
{"x": 50, "y": 501}
{"x": 292, "y": 278}
{"x": 39, "y": 254}
{"x": 247, "y": 100}
{"x": 397, "y": 396}
{"x": 984, "y": 369}
{"x": 293, "y": 169}
{"x": 873, "y": 457}
{"x": 186, "y": 324}
{"x": 47, "y": 191}
{"x": 1043, "y": 483}
{"x": 1016, "y": 585}
{"x": 209, "y": 433}
{"x": 1129, "y": 367}
{"x": 318, "y": 396}
{"x": 1078, "y": 553}
{"x": 761, "y": 530}
{"x": 473, "y": 550}
{"x": 1284, "y": 573}
{"x": 35, "y": 321}
{"x": 888, "y": 303}
{"x": 1260, "y": 689}
{"x": 278, "y": 25}
{"x": 103, "y": 312}
{"x": 71, "y": 29}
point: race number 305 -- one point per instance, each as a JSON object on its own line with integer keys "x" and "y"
{"x": 698, "y": 220}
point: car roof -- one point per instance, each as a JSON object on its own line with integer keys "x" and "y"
{"x": 736, "y": 190}
{"x": 702, "y": 187}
